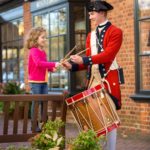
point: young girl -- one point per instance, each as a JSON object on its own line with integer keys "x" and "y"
{"x": 38, "y": 66}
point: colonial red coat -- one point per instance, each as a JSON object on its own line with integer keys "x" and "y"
{"x": 111, "y": 45}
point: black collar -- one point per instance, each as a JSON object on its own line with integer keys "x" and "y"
{"x": 101, "y": 26}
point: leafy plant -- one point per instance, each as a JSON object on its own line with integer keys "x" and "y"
{"x": 87, "y": 141}
{"x": 49, "y": 138}
{"x": 12, "y": 88}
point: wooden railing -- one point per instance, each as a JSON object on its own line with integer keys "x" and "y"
{"x": 21, "y": 128}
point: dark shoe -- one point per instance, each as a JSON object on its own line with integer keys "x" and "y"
{"x": 38, "y": 129}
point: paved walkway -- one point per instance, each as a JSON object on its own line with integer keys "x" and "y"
{"x": 125, "y": 141}
{"x": 133, "y": 141}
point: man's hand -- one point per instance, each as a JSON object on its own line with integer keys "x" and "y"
{"x": 66, "y": 65}
{"x": 76, "y": 59}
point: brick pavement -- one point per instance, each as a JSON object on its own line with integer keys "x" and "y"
{"x": 133, "y": 141}
{"x": 125, "y": 141}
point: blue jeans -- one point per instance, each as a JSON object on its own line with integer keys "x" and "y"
{"x": 38, "y": 88}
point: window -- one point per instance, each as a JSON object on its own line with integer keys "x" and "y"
{"x": 56, "y": 24}
{"x": 142, "y": 46}
{"x": 12, "y": 50}
{"x": 80, "y": 38}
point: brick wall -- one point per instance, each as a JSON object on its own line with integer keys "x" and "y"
{"x": 27, "y": 18}
{"x": 134, "y": 115}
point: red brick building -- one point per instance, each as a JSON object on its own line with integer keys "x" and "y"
{"x": 67, "y": 24}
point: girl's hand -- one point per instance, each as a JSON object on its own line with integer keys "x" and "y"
{"x": 54, "y": 69}
{"x": 57, "y": 65}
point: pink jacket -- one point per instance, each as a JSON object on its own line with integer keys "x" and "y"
{"x": 38, "y": 65}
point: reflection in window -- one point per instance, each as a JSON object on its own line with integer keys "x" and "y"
{"x": 4, "y": 74}
{"x": 62, "y": 21}
{"x": 144, "y": 8}
{"x": 142, "y": 46}
{"x": 20, "y": 29}
{"x": 11, "y": 46}
{"x": 4, "y": 32}
{"x": 54, "y": 23}
{"x": 45, "y": 22}
{"x": 59, "y": 79}
{"x": 37, "y": 21}
{"x": 144, "y": 4}
{"x": 80, "y": 26}
{"x": 15, "y": 30}
{"x": 144, "y": 49}
{"x": 4, "y": 54}
{"x": 144, "y": 36}
{"x": 9, "y": 30}
{"x": 9, "y": 53}
{"x": 145, "y": 73}
{"x": 54, "y": 48}
{"x": 80, "y": 38}
{"x": 62, "y": 46}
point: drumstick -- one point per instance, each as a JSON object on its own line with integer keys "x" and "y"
{"x": 69, "y": 53}
{"x": 76, "y": 54}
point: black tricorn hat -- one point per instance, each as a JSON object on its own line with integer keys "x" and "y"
{"x": 99, "y": 5}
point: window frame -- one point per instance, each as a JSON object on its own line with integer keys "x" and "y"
{"x": 19, "y": 41}
{"x": 140, "y": 94}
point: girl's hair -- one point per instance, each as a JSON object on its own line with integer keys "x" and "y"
{"x": 33, "y": 36}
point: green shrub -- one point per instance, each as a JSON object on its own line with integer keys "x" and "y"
{"x": 49, "y": 137}
{"x": 87, "y": 141}
{"x": 12, "y": 88}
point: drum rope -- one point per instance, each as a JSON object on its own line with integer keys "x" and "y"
{"x": 105, "y": 126}
{"x": 89, "y": 115}
{"x": 95, "y": 113}
{"x": 101, "y": 113}
{"x": 82, "y": 116}
{"x": 93, "y": 109}
{"x": 106, "y": 109}
{"x": 78, "y": 123}
{"x": 113, "y": 109}
{"x": 108, "y": 85}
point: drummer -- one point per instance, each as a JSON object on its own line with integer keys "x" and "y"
{"x": 103, "y": 44}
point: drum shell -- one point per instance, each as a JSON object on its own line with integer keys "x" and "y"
{"x": 94, "y": 109}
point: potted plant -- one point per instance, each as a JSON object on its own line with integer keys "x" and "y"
{"x": 49, "y": 138}
{"x": 86, "y": 140}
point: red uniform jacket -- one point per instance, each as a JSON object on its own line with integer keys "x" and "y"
{"x": 111, "y": 45}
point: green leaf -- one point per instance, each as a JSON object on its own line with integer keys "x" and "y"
{"x": 59, "y": 141}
